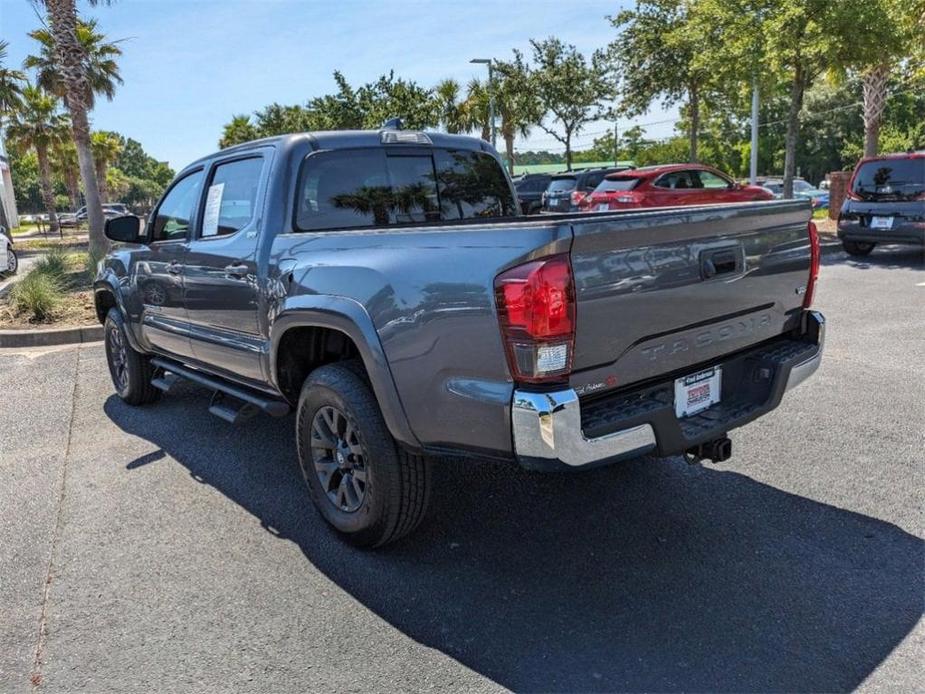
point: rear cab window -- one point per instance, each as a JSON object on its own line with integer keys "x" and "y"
{"x": 357, "y": 188}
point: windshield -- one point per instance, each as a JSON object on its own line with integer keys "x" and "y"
{"x": 895, "y": 178}
{"x": 559, "y": 184}
{"x": 802, "y": 187}
{"x": 622, "y": 183}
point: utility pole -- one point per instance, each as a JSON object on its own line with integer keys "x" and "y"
{"x": 753, "y": 169}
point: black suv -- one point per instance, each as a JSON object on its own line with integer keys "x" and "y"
{"x": 566, "y": 190}
{"x": 885, "y": 203}
{"x": 530, "y": 189}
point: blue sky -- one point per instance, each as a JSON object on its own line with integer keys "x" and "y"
{"x": 189, "y": 66}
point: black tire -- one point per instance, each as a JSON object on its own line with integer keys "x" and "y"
{"x": 391, "y": 498}
{"x": 12, "y": 262}
{"x": 858, "y": 248}
{"x": 131, "y": 371}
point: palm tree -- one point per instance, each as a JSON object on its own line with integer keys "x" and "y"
{"x": 106, "y": 149}
{"x": 39, "y": 125}
{"x": 239, "y": 130}
{"x": 452, "y": 111}
{"x": 477, "y": 107}
{"x": 516, "y": 102}
{"x": 64, "y": 163}
{"x": 11, "y": 82}
{"x": 100, "y": 61}
{"x": 74, "y": 69}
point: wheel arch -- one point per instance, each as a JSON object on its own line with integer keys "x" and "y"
{"x": 313, "y": 330}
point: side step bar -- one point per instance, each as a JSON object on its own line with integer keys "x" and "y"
{"x": 264, "y": 403}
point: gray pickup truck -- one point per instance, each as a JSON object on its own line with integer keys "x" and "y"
{"x": 384, "y": 287}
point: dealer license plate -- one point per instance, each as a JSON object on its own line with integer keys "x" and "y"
{"x": 881, "y": 222}
{"x": 697, "y": 392}
{"x": 603, "y": 207}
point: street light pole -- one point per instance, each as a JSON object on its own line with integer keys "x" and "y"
{"x": 491, "y": 97}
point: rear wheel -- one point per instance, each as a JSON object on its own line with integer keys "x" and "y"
{"x": 857, "y": 247}
{"x": 369, "y": 489}
{"x": 131, "y": 371}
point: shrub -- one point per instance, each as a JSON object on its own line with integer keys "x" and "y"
{"x": 55, "y": 264}
{"x": 36, "y": 295}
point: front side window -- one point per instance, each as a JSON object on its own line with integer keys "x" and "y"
{"x": 175, "y": 213}
{"x": 708, "y": 179}
{"x": 232, "y": 197}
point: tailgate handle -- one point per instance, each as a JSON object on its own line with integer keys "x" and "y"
{"x": 719, "y": 262}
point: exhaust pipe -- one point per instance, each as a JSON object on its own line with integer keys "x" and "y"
{"x": 715, "y": 451}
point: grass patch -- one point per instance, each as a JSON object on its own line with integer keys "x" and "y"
{"x": 56, "y": 291}
{"x": 36, "y": 296}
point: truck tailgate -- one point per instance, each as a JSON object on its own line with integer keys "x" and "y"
{"x": 665, "y": 290}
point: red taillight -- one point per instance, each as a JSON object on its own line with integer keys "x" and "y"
{"x": 536, "y": 308}
{"x": 578, "y": 197}
{"x": 815, "y": 257}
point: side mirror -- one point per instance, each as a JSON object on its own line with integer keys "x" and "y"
{"x": 125, "y": 229}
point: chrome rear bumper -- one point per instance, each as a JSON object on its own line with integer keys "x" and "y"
{"x": 547, "y": 427}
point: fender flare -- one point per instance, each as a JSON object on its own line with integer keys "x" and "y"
{"x": 108, "y": 283}
{"x": 349, "y": 317}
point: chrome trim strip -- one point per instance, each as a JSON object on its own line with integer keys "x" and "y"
{"x": 804, "y": 370}
{"x": 548, "y": 426}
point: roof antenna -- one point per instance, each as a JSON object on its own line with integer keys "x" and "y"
{"x": 392, "y": 124}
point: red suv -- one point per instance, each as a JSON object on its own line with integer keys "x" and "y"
{"x": 669, "y": 185}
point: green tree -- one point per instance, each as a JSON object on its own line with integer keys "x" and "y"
{"x": 656, "y": 52}
{"x": 570, "y": 88}
{"x": 516, "y": 102}
{"x": 238, "y": 130}
{"x": 39, "y": 126}
{"x": 106, "y": 147}
{"x": 73, "y": 67}
{"x": 478, "y": 107}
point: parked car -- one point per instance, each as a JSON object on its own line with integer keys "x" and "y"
{"x": 530, "y": 189}
{"x": 382, "y": 286}
{"x": 68, "y": 219}
{"x": 885, "y": 203}
{"x": 566, "y": 190}
{"x": 9, "y": 263}
{"x": 801, "y": 189}
{"x": 669, "y": 185}
{"x": 110, "y": 211}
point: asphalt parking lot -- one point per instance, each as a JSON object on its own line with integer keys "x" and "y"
{"x": 161, "y": 549}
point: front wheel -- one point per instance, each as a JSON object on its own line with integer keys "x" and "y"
{"x": 857, "y": 247}
{"x": 369, "y": 489}
{"x": 131, "y": 371}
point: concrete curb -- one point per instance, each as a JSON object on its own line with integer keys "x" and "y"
{"x": 55, "y": 336}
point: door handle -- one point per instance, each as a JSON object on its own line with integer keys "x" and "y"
{"x": 173, "y": 267}
{"x": 720, "y": 262}
{"x": 236, "y": 270}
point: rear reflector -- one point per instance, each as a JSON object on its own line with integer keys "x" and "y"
{"x": 536, "y": 309}
{"x": 815, "y": 258}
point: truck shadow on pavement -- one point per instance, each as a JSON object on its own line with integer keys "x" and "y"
{"x": 648, "y": 575}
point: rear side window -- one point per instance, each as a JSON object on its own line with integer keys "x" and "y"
{"x": 472, "y": 184}
{"x": 677, "y": 180}
{"x": 232, "y": 197}
{"x": 892, "y": 176}
{"x": 622, "y": 183}
{"x": 366, "y": 188}
{"x": 562, "y": 184}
